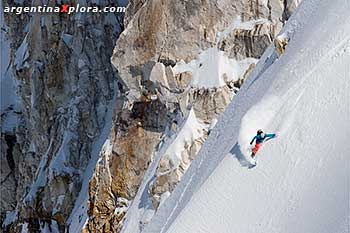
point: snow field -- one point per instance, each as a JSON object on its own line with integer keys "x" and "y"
{"x": 301, "y": 183}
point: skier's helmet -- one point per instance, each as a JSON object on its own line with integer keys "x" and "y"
{"x": 259, "y": 132}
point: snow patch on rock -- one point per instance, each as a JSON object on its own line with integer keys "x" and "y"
{"x": 213, "y": 69}
{"x": 238, "y": 24}
{"x": 192, "y": 130}
{"x": 21, "y": 55}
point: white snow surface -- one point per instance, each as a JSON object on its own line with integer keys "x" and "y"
{"x": 301, "y": 182}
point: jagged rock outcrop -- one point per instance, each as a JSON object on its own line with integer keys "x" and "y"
{"x": 65, "y": 80}
{"x": 158, "y": 97}
{"x": 8, "y": 178}
{"x": 288, "y": 8}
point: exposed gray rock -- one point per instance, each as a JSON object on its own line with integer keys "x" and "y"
{"x": 65, "y": 82}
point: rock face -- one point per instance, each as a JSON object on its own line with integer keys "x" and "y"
{"x": 55, "y": 175}
{"x": 65, "y": 82}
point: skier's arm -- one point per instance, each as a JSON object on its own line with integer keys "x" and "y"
{"x": 253, "y": 140}
{"x": 272, "y": 135}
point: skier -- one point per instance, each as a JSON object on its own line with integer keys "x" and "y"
{"x": 260, "y": 138}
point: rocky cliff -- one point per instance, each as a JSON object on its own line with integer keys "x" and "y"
{"x": 65, "y": 82}
{"x": 57, "y": 175}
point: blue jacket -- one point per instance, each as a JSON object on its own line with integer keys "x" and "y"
{"x": 259, "y": 139}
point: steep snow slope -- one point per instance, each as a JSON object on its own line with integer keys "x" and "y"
{"x": 301, "y": 183}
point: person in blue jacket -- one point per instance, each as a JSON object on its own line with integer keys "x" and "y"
{"x": 259, "y": 139}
